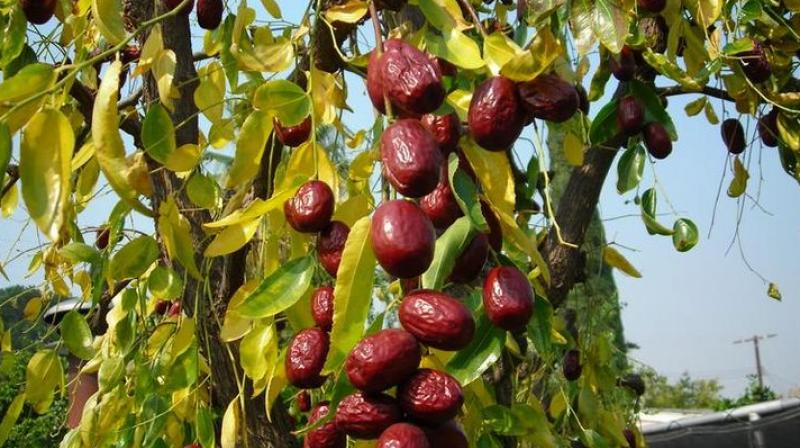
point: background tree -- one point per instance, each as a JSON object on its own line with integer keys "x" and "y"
{"x": 194, "y": 313}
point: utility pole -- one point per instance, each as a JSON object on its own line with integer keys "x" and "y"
{"x": 759, "y": 369}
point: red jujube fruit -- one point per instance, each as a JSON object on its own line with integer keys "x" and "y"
{"x": 437, "y": 320}
{"x": 383, "y": 360}
{"x": 322, "y": 307}
{"x": 311, "y": 208}
{"x": 403, "y": 238}
{"x": 305, "y": 357}
{"x": 508, "y": 298}
{"x": 431, "y": 396}
{"x": 496, "y": 117}
{"x": 331, "y": 245}
{"x": 411, "y": 158}
{"x": 366, "y": 416}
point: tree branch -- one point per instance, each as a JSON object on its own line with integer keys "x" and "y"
{"x": 708, "y": 91}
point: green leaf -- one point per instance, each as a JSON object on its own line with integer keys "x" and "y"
{"x": 610, "y": 24}
{"x": 205, "y": 427}
{"x": 533, "y": 171}
{"x": 540, "y": 327}
{"x": 605, "y": 126}
{"x": 630, "y": 168}
{"x": 30, "y": 80}
{"x": 5, "y": 151}
{"x": 77, "y": 335}
{"x": 466, "y": 194}
{"x": 529, "y": 64}
{"x": 499, "y": 419}
{"x": 13, "y": 42}
{"x": 280, "y": 290}
{"x": 164, "y": 283}
{"x": 352, "y": 294}
{"x": 43, "y": 374}
{"x": 10, "y": 418}
{"x": 498, "y": 50}
{"x": 158, "y": 133}
{"x": 286, "y": 99}
{"x": 469, "y": 364}
{"x": 44, "y": 169}
{"x": 249, "y": 148}
{"x": 653, "y": 107}
{"x": 685, "y": 235}
{"x": 456, "y": 47}
{"x": 134, "y": 258}
{"x": 696, "y": 106}
{"x": 175, "y": 232}
{"x": 80, "y": 253}
{"x": 203, "y": 191}
{"x": 648, "y": 205}
{"x": 449, "y": 246}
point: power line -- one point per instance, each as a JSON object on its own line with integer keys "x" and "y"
{"x": 759, "y": 368}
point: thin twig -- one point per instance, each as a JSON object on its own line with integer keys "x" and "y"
{"x": 475, "y": 19}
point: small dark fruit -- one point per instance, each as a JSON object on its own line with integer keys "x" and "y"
{"x": 326, "y": 436}
{"x": 623, "y": 66}
{"x": 508, "y": 298}
{"x": 403, "y": 238}
{"x": 447, "y": 435}
{"x": 366, "y": 416}
{"x": 311, "y": 208}
{"x": 175, "y": 309}
{"x": 495, "y": 231}
{"x": 654, "y": 6}
{"x": 403, "y": 435}
{"x": 768, "y": 128}
{"x": 129, "y": 54}
{"x": 630, "y": 437}
{"x": 101, "y": 241}
{"x": 38, "y": 12}
{"x": 162, "y": 307}
{"x": 305, "y": 357}
{"x": 330, "y": 246}
{"x": 548, "y": 97}
{"x": 437, "y": 320}
{"x": 411, "y": 158}
{"x": 322, "y": 307}
{"x": 383, "y": 360}
{"x": 469, "y": 263}
{"x": 410, "y": 79}
{"x": 633, "y": 382}
{"x": 630, "y": 116}
{"x": 733, "y": 136}
{"x": 169, "y": 5}
{"x": 572, "y": 365}
{"x": 755, "y": 64}
{"x": 431, "y": 396}
{"x": 496, "y": 116}
{"x": 446, "y": 130}
{"x": 657, "y": 140}
{"x": 303, "y": 401}
{"x": 440, "y": 205}
{"x": 209, "y": 13}
{"x": 292, "y": 136}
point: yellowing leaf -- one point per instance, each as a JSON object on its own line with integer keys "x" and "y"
{"x": 10, "y": 418}
{"x": 234, "y": 326}
{"x": 573, "y": 149}
{"x": 301, "y": 163}
{"x": 740, "y": 177}
{"x": 249, "y": 148}
{"x": 9, "y": 201}
{"x": 184, "y": 158}
{"x": 107, "y": 16}
{"x": 460, "y": 100}
{"x": 362, "y": 165}
{"x": 443, "y": 14}
{"x": 232, "y": 238}
{"x": 494, "y": 174}
{"x": 522, "y": 241}
{"x": 44, "y": 168}
{"x": 150, "y": 51}
{"x": 256, "y": 347}
{"x": 352, "y": 294}
{"x": 272, "y": 8}
{"x": 264, "y": 54}
{"x": 258, "y": 207}
{"x": 43, "y": 374}
{"x": 30, "y": 80}
{"x": 32, "y": 309}
{"x": 533, "y": 62}
{"x": 230, "y": 425}
{"x": 285, "y": 99}
{"x": 164, "y": 72}
{"x": 210, "y": 93}
{"x": 498, "y": 50}
{"x": 350, "y": 12}
{"x": 613, "y": 258}
{"x": 353, "y": 209}
{"x": 610, "y": 24}
{"x": 456, "y": 47}
{"x": 175, "y": 231}
{"x": 774, "y": 293}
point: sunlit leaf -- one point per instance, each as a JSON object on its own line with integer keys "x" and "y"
{"x": 610, "y": 24}
{"x": 349, "y": 12}
{"x": 164, "y": 72}
{"x": 249, "y": 148}
{"x": 648, "y": 206}
{"x": 32, "y": 309}
{"x": 740, "y": 177}
{"x": 529, "y": 64}
{"x": 773, "y": 292}
{"x": 230, "y": 425}
{"x": 285, "y": 99}
{"x": 77, "y": 335}
{"x": 254, "y": 346}
{"x": 11, "y": 416}
{"x": 258, "y": 207}
{"x": 280, "y": 290}
{"x": 309, "y": 160}
{"x": 494, "y": 174}
{"x": 232, "y": 238}
{"x": 573, "y": 149}
{"x": 498, "y": 50}
{"x": 466, "y": 194}
{"x": 108, "y": 17}
{"x": 43, "y": 374}
{"x": 134, "y": 258}
{"x": 613, "y": 258}
{"x": 175, "y": 231}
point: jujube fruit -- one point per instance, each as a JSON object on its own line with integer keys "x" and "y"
{"x": 311, "y": 208}
{"x": 366, "y": 416}
{"x": 305, "y": 357}
{"x": 209, "y": 13}
{"x": 630, "y": 116}
{"x": 445, "y": 129}
{"x": 768, "y": 128}
{"x": 469, "y": 263}
{"x": 657, "y": 140}
{"x": 326, "y": 436}
{"x": 431, "y": 396}
{"x": 440, "y": 204}
{"x": 654, "y": 6}
{"x": 508, "y": 298}
{"x": 101, "y": 242}
{"x": 322, "y": 307}
{"x": 383, "y": 360}
{"x": 38, "y": 12}
{"x": 496, "y": 117}
{"x": 409, "y": 78}
{"x": 755, "y": 64}
{"x": 633, "y": 382}
{"x": 331, "y": 245}
{"x": 411, "y": 158}
{"x": 437, "y": 320}
{"x": 733, "y": 136}
{"x": 162, "y": 307}
{"x": 548, "y": 97}
{"x": 447, "y": 435}
{"x": 175, "y": 309}
{"x": 623, "y": 65}
{"x": 292, "y": 136}
{"x": 572, "y": 365}
{"x": 403, "y": 435}
{"x": 403, "y": 238}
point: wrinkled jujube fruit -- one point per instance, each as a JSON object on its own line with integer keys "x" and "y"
{"x": 623, "y": 66}
{"x": 330, "y": 246}
{"x": 657, "y": 140}
{"x": 447, "y": 435}
{"x": 630, "y": 116}
{"x": 303, "y": 401}
{"x": 508, "y": 298}
{"x": 410, "y": 79}
{"x": 445, "y": 129}
{"x": 403, "y": 238}
{"x": 654, "y": 6}
{"x": 411, "y": 158}
{"x": 403, "y": 435}
{"x": 633, "y": 382}
{"x": 548, "y": 97}
{"x": 440, "y": 204}
{"x": 375, "y": 79}
{"x": 470, "y": 262}
{"x": 431, "y": 396}
{"x": 366, "y": 416}
{"x": 326, "y": 436}
{"x": 305, "y": 357}
{"x": 101, "y": 242}
{"x": 209, "y": 13}
{"x": 322, "y": 307}
{"x": 292, "y": 136}
{"x": 496, "y": 116}
{"x": 733, "y": 136}
{"x": 311, "y": 208}
{"x": 169, "y": 5}
{"x": 630, "y": 437}
{"x": 38, "y": 12}
{"x": 383, "y": 360}
{"x": 572, "y": 365}
{"x": 495, "y": 231}
{"x": 755, "y": 64}
{"x": 437, "y": 320}
{"x": 768, "y": 128}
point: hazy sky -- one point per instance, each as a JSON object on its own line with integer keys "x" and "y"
{"x": 689, "y": 307}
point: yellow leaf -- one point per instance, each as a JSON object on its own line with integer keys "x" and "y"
{"x": 256, "y": 347}
{"x": 573, "y": 149}
{"x": 498, "y": 50}
{"x": 613, "y": 258}
{"x": 328, "y": 96}
{"x": 276, "y": 382}
{"x": 230, "y": 425}
{"x": 350, "y": 12}
{"x": 264, "y": 54}
{"x": 301, "y": 163}
{"x": 138, "y": 175}
{"x": 9, "y": 201}
{"x": 183, "y": 338}
{"x": 10, "y": 418}
{"x": 30, "y": 80}
{"x": 107, "y": 16}
{"x": 150, "y": 51}
{"x": 272, "y": 8}
{"x": 521, "y": 240}
{"x": 32, "y": 309}
{"x": 460, "y": 100}
{"x": 175, "y": 232}
{"x": 210, "y": 93}
{"x": 356, "y": 140}
{"x": 184, "y": 158}
{"x": 43, "y": 374}
{"x": 5, "y": 342}
{"x": 456, "y": 47}
{"x": 82, "y": 156}
{"x": 232, "y": 238}
{"x": 234, "y": 326}
{"x": 164, "y": 72}
{"x": 740, "y": 177}
{"x": 257, "y": 208}
{"x": 44, "y": 168}
{"x": 109, "y": 149}
{"x": 494, "y": 174}
{"x": 353, "y": 209}
{"x": 362, "y": 165}
{"x": 773, "y": 292}
{"x": 530, "y": 64}
{"x": 249, "y": 148}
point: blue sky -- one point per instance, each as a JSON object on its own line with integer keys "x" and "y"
{"x": 688, "y": 307}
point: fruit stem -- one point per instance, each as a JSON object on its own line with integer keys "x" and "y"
{"x": 466, "y": 4}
